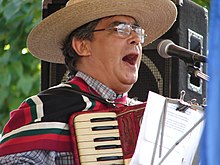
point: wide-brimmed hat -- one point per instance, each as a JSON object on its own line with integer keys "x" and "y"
{"x": 45, "y": 40}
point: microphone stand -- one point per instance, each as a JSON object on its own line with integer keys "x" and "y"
{"x": 193, "y": 70}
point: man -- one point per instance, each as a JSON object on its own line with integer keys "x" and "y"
{"x": 101, "y": 44}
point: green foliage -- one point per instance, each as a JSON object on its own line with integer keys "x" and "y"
{"x": 204, "y": 3}
{"x": 19, "y": 70}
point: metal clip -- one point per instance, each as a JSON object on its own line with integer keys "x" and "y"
{"x": 182, "y": 95}
{"x": 194, "y": 102}
{"x": 204, "y": 103}
{"x": 183, "y": 106}
{"x": 195, "y": 105}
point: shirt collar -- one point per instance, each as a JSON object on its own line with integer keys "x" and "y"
{"x": 104, "y": 91}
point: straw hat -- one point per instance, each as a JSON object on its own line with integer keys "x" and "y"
{"x": 44, "y": 41}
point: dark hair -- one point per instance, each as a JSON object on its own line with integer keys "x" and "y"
{"x": 84, "y": 32}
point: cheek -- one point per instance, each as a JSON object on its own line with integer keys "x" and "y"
{"x": 108, "y": 51}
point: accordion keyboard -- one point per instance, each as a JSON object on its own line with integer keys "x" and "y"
{"x": 98, "y": 139}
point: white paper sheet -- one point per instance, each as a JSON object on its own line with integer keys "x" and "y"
{"x": 176, "y": 125}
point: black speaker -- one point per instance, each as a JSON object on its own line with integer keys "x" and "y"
{"x": 167, "y": 77}
{"x": 52, "y": 74}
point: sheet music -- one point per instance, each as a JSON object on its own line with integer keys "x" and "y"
{"x": 149, "y": 150}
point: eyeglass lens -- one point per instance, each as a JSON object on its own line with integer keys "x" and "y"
{"x": 124, "y": 30}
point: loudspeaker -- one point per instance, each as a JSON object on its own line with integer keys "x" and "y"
{"x": 52, "y": 74}
{"x": 167, "y": 77}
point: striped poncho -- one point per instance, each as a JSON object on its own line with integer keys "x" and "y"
{"x": 41, "y": 121}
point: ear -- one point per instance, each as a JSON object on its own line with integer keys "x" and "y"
{"x": 82, "y": 47}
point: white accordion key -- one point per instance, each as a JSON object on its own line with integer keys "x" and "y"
{"x": 98, "y": 138}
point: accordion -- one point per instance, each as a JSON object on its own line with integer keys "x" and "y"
{"x": 105, "y": 136}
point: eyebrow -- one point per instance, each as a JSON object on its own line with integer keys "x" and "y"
{"x": 115, "y": 23}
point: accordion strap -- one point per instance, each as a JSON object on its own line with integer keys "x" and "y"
{"x": 67, "y": 90}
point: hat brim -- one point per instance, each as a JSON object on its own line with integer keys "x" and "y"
{"x": 45, "y": 40}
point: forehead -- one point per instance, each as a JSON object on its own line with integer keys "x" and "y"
{"x": 120, "y": 18}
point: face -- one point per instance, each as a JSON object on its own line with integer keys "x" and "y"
{"x": 110, "y": 58}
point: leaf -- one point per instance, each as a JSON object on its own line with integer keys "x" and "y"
{"x": 5, "y": 77}
{"x": 11, "y": 9}
{"x": 5, "y": 58}
{"x": 4, "y": 95}
{"x": 25, "y": 84}
{"x": 17, "y": 68}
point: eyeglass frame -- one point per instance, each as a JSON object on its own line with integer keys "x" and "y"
{"x": 123, "y": 33}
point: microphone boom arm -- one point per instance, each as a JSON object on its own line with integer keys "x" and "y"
{"x": 183, "y": 54}
{"x": 197, "y": 73}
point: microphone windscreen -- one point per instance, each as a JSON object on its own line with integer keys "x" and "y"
{"x": 162, "y": 48}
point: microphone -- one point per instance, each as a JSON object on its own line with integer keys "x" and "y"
{"x": 167, "y": 49}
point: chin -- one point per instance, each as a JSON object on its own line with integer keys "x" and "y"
{"x": 132, "y": 81}
{"x": 128, "y": 88}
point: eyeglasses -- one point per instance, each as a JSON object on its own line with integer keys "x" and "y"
{"x": 124, "y": 30}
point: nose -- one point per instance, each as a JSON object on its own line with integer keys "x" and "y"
{"x": 134, "y": 38}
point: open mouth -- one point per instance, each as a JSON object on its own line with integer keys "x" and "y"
{"x": 130, "y": 58}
